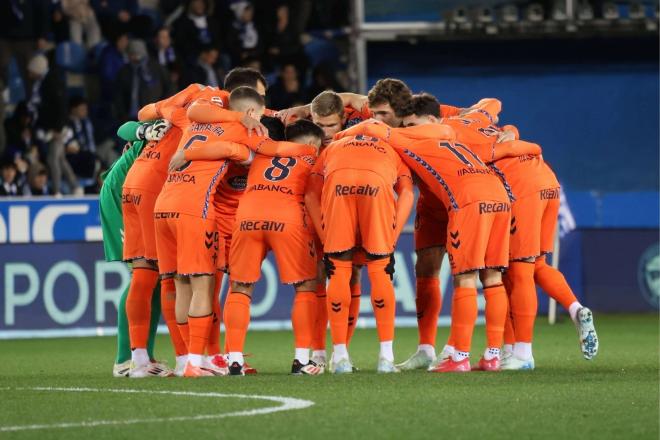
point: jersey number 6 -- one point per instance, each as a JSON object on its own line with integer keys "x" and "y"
{"x": 192, "y": 140}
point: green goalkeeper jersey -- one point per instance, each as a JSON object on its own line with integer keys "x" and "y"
{"x": 112, "y": 222}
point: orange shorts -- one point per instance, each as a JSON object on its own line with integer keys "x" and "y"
{"x": 533, "y": 224}
{"x": 292, "y": 244}
{"x": 358, "y": 209}
{"x": 359, "y": 256}
{"x": 187, "y": 245}
{"x": 478, "y": 237}
{"x": 225, "y": 226}
{"x": 139, "y": 232}
{"x": 430, "y": 225}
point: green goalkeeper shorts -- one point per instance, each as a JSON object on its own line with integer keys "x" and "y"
{"x": 112, "y": 223}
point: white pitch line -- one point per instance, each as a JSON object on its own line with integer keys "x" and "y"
{"x": 287, "y": 404}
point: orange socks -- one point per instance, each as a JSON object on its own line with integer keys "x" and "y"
{"x": 302, "y": 319}
{"x": 353, "y": 311}
{"x": 339, "y": 299}
{"x": 429, "y": 304}
{"x": 497, "y": 305}
{"x": 184, "y": 331}
{"x": 237, "y": 320}
{"x": 320, "y": 318}
{"x": 524, "y": 303}
{"x": 138, "y": 305}
{"x": 213, "y": 347}
{"x": 463, "y": 317}
{"x": 553, "y": 283}
{"x": 382, "y": 298}
{"x": 200, "y": 327}
{"x": 167, "y": 302}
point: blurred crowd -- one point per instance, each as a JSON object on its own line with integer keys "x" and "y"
{"x": 71, "y": 71}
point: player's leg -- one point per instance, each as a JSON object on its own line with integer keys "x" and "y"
{"x": 340, "y": 219}
{"x": 320, "y": 315}
{"x": 553, "y": 282}
{"x": 245, "y": 272}
{"x": 356, "y": 292}
{"x": 509, "y": 334}
{"x": 166, "y": 249}
{"x": 295, "y": 255}
{"x": 463, "y": 318}
{"x": 428, "y": 302}
{"x": 156, "y": 310}
{"x": 123, "y": 358}
{"x": 377, "y": 219}
{"x": 497, "y": 304}
{"x": 197, "y": 259}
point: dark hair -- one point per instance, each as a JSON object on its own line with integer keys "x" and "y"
{"x": 301, "y": 128}
{"x": 275, "y": 127}
{"x": 423, "y": 104}
{"x": 390, "y": 91}
{"x": 7, "y": 164}
{"x": 75, "y": 101}
{"x": 243, "y": 76}
{"x": 246, "y": 93}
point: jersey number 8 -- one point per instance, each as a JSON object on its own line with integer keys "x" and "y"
{"x": 280, "y": 169}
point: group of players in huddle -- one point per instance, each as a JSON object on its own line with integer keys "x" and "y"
{"x": 211, "y": 181}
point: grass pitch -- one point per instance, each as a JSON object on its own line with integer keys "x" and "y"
{"x": 614, "y": 396}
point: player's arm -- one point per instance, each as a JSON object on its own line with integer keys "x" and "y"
{"x": 370, "y": 127}
{"x": 154, "y": 110}
{"x": 215, "y": 150}
{"x": 269, "y": 147}
{"x": 208, "y": 112}
{"x": 515, "y": 148}
{"x": 448, "y": 111}
{"x": 405, "y": 199}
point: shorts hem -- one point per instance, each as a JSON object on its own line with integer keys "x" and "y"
{"x": 168, "y": 274}
{"x": 292, "y": 283}
{"x": 500, "y": 268}
{"x": 379, "y": 254}
{"x": 521, "y": 259}
{"x": 352, "y": 248}
{"x": 243, "y": 282}
{"x": 421, "y": 248}
{"x": 193, "y": 274}
{"x": 141, "y": 257}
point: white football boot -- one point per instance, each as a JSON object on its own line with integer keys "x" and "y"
{"x": 419, "y": 360}
{"x": 122, "y": 369}
{"x": 587, "y": 333}
{"x": 385, "y": 366}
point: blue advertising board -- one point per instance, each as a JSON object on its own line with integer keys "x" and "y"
{"x": 55, "y": 281}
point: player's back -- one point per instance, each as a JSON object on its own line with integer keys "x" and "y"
{"x": 363, "y": 153}
{"x": 454, "y": 173}
{"x": 190, "y": 188}
{"x": 276, "y": 188}
{"x": 231, "y": 189}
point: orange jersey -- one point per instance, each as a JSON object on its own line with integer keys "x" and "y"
{"x": 150, "y": 168}
{"x": 451, "y": 171}
{"x": 189, "y": 190}
{"x": 525, "y": 174}
{"x": 276, "y": 189}
{"x": 231, "y": 189}
{"x": 367, "y": 153}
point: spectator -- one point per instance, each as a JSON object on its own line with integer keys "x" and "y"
{"x": 286, "y": 92}
{"x": 324, "y": 78}
{"x": 162, "y": 49}
{"x": 204, "y": 70}
{"x": 82, "y": 19}
{"x": 24, "y": 26}
{"x": 79, "y": 139}
{"x": 19, "y": 131}
{"x": 47, "y": 104}
{"x": 243, "y": 38}
{"x": 113, "y": 14}
{"x": 12, "y": 181}
{"x": 111, "y": 61}
{"x": 59, "y": 25}
{"x": 163, "y": 52}
{"x": 140, "y": 82}
{"x": 194, "y": 30}
{"x": 285, "y": 40}
{"x": 39, "y": 183}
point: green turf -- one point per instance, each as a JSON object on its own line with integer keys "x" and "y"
{"x": 615, "y": 396}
